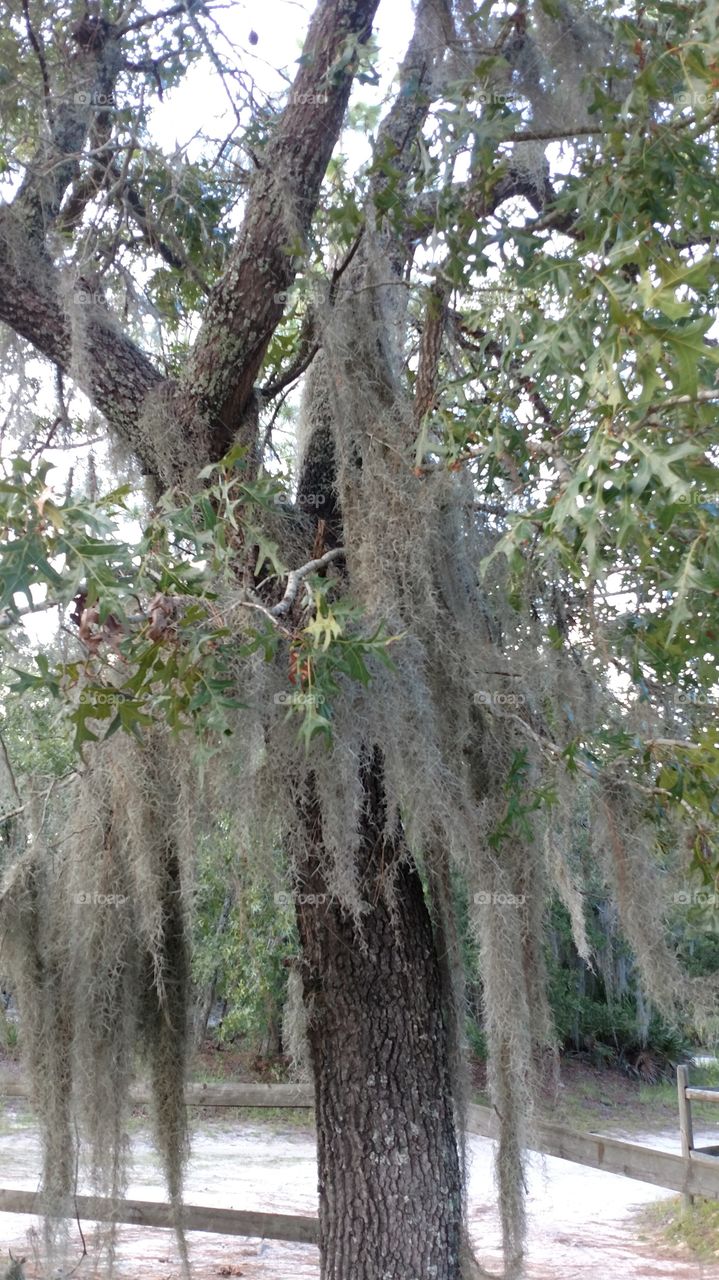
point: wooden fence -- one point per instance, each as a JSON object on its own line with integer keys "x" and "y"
{"x": 693, "y": 1172}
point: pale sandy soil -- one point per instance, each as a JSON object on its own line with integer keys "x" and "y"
{"x": 582, "y": 1222}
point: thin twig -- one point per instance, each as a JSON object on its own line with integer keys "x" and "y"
{"x": 177, "y": 10}
{"x": 296, "y": 577}
{"x": 37, "y": 46}
{"x": 702, "y": 396}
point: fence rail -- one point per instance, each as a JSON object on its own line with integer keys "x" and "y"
{"x": 698, "y": 1175}
{"x": 690, "y": 1153}
{"x": 152, "y": 1213}
{"x": 224, "y": 1094}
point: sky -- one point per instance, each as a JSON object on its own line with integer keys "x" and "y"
{"x": 280, "y": 27}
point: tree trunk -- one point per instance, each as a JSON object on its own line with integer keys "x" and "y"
{"x": 206, "y": 1005}
{"x": 271, "y": 1038}
{"x": 390, "y": 1195}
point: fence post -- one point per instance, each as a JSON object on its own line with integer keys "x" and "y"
{"x": 685, "y": 1125}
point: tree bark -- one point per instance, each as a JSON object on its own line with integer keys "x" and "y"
{"x": 390, "y": 1193}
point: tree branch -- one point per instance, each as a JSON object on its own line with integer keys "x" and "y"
{"x": 481, "y": 202}
{"x": 40, "y": 55}
{"x": 91, "y": 81}
{"x": 243, "y": 309}
{"x": 296, "y": 577}
{"x": 430, "y": 349}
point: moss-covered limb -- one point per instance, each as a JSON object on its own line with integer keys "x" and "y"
{"x": 77, "y": 88}
{"x": 395, "y": 150}
{"x": 82, "y": 340}
{"x": 66, "y": 324}
{"x": 243, "y": 311}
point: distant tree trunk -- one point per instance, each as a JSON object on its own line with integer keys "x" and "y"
{"x": 206, "y": 1003}
{"x": 270, "y": 1044}
{"x": 390, "y": 1195}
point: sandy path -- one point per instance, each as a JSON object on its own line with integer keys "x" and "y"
{"x": 581, "y": 1221}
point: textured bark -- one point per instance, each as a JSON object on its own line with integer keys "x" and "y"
{"x": 390, "y": 1194}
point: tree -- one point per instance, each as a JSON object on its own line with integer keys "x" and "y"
{"x": 506, "y": 421}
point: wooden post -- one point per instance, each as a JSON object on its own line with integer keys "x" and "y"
{"x": 685, "y": 1125}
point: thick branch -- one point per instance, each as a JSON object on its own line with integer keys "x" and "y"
{"x": 397, "y": 143}
{"x": 204, "y": 415}
{"x": 480, "y": 202}
{"x": 92, "y": 75}
{"x": 244, "y": 308}
{"x": 82, "y": 340}
{"x": 398, "y": 132}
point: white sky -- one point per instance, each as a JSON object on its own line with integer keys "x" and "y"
{"x": 281, "y": 26}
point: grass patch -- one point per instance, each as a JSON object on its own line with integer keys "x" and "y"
{"x": 231, "y": 1118}
{"x": 695, "y": 1229}
{"x": 608, "y": 1101}
{"x": 272, "y": 1117}
{"x": 664, "y": 1096}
